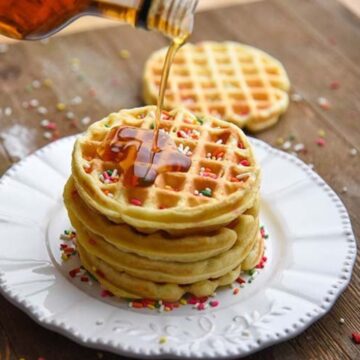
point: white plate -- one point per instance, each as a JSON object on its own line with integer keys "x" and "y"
{"x": 311, "y": 253}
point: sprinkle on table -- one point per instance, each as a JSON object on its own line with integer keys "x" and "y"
{"x": 356, "y": 337}
{"x": 60, "y": 106}
{"x": 77, "y": 100}
{"x": 320, "y": 142}
{"x": 42, "y": 110}
{"x": 86, "y": 120}
{"x": 70, "y": 115}
{"x": 295, "y": 97}
{"x": 34, "y": 103}
{"x": 324, "y": 103}
{"x": 163, "y": 340}
{"x": 124, "y": 54}
{"x": 353, "y": 152}
{"x": 334, "y": 85}
{"x": 48, "y": 83}
{"x": 322, "y": 133}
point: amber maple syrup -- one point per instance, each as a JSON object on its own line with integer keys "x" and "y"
{"x": 131, "y": 148}
{"x": 143, "y": 154}
{"x": 173, "y": 48}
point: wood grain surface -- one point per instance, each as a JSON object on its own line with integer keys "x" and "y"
{"x": 317, "y": 41}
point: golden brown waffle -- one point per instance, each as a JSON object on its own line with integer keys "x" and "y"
{"x": 157, "y": 246}
{"x": 234, "y": 82}
{"x": 122, "y": 284}
{"x": 126, "y": 274}
{"x": 222, "y": 183}
{"x": 170, "y": 271}
{"x": 255, "y": 255}
{"x": 118, "y": 282}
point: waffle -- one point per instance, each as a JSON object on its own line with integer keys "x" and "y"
{"x": 129, "y": 275}
{"x": 157, "y": 246}
{"x": 234, "y": 82}
{"x": 123, "y": 283}
{"x": 223, "y": 165}
{"x": 170, "y": 271}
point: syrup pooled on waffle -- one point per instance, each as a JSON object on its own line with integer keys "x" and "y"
{"x": 221, "y": 183}
{"x": 140, "y": 164}
{"x": 234, "y": 82}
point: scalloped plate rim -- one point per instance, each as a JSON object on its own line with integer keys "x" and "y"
{"x": 23, "y": 305}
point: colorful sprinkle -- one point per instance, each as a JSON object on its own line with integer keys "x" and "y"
{"x": 74, "y": 272}
{"x": 136, "y": 202}
{"x": 334, "y": 85}
{"x": 124, "y": 54}
{"x": 106, "y": 293}
{"x": 356, "y": 337}
{"x": 184, "y": 149}
{"x": 295, "y": 97}
{"x": 324, "y": 103}
{"x": 353, "y": 152}
{"x": 320, "y": 142}
{"x": 48, "y": 83}
{"x": 60, "y": 106}
{"x": 163, "y": 340}
{"x": 206, "y": 192}
{"x": 42, "y": 110}
{"x": 214, "y": 303}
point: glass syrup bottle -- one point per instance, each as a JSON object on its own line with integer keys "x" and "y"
{"x": 38, "y": 19}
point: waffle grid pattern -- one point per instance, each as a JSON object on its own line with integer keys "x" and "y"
{"x": 178, "y": 189}
{"x": 234, "y": 82}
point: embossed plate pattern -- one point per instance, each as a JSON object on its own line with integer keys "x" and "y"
{"x": 311, "y": 253}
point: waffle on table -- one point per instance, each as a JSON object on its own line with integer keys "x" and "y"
{"x": 175, "y": 239}
{"x": 235, "y": 82}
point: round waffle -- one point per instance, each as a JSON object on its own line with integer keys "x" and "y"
{"x": 123, "y": 285}
{"x": 223, "y": 166}
{"x": 245, "y": 231}
{"x": 234, "y": 82}
{"x": 169, "y": 271}
{"x": 157, "y": 246}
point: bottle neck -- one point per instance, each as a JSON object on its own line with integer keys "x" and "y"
{"x": 173, "y": 18}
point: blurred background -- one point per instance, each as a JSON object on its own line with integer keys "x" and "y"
{"x": 87, "y": 23}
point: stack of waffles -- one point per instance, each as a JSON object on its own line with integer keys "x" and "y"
{"x": 188, "y": 232}
{"x": 232, "y": 81}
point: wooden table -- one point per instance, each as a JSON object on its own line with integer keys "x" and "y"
{"x": 318, "y": 42}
